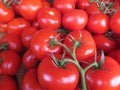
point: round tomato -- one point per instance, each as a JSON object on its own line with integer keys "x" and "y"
{"x": 29, "y": 60}
{"x": 53, "y": 77}
{"x": 86, "y": 47}
{"x": 6, "y": 14}
{"x": 41, "y": 43}
{"x": 26, "y": 36}
{"x": 17, "y": 25}
{"x": 29, "y": 81}
{"x": 75, "y": 19}
{"x": 115, "y": 23}
{"x": 64, "y": 5}
{"x": 104, "y": 43}
{"x": 3, "y": 28}
{"x": 107, "y": 77}
{"x": 11, "y": 42}
{"x": 10, "y": 62}
{"x": 98, "y": 23}
{"x": 83, "y": 4}
{"x": 7, "y": 83}
{"x": 29, "y": 8}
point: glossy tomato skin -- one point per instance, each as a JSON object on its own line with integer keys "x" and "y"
{"x": 10, "y": 62}
{"x": 17, "y": 25}
{"x": 115, "y": 54}
{"x": 75, "y": 20}
{"x": 104, "y": 43}
{"x": 7, "y": 83}
{"x": 98, "y": 23}
{"x": 64, "y": 5}
{"x": 115, "y": 22}
{"x": 29, "y": 81}
{"x": 51, "y": 76}
{"x": 40, "y": 43}
{"x": 49, "y": 18}
{"x": 29, "y": 8}
{"x": 3, "y": 27}
{"x": 29, "y": 60}
{"x": 87, "y": 46}
{"x": 106, "y": 78}
{"x": 83, "y": 4}
{"x": 6, "y": 14}
{"x": 26, "y": 36}
{"x": 12, "y": 41}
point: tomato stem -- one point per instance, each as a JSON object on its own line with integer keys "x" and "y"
{"x": 4, "y": 46}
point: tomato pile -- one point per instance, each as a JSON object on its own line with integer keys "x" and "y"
{"x": 60, "y": 44}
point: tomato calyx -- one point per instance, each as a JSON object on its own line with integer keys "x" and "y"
{"x": 4, "y": 46}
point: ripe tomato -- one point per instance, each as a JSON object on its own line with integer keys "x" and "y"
{"x": 64, "y": 5}
{"x": 6, "y": 14}
{"x": 115, "y": 54}
{"x": 49, "y": 18}
{"x": 115, "y": 23}
{"x": 104, "y": 43}
{"x": 29, "y": 81}
{"x": 107, "y": 77}
{"x": 86, "y": 47}
{"x": 3, "y": 27}
{"x": 83, "y": 4}
{"x": 40, "y": 43}
{"x": 98, "y": 23}
{"x": 11, "y": 42}
{"x": 29, "y": 60}
{"x": 75, "y": 19}
{"x": 26, "y": 36}
{"x": 17, "y": 25}
{"x": 53, "y": 77}
{"x": 29, "y": 8}
{"x": 7, "y": 83}
{"x": 10, "y": 62}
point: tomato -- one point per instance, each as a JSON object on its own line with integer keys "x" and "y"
{"x": 17, "y": 25}
{"x": 29, "y": 81}
{"x": 3, "y": 27}
{"x": 26, "y": 36}
{"x": 75, "y": 20}
{"x": 115, "y": 54}
{"x": 35, "y": 24}
{"x": 83, "y": 4}
{"x": 6, "y": 14}
{"x": 115, "y": 22}
{"x": 53, "y": 77}
{"x": 46, "y": 4}
{"x": 107, "y": 77}
{"x": 30, "y": 8}
{"x": 86, "y": 47}
{"x": 7, "y": 83}
{"x": 10, "y": 62}
{"x": 98, "y": 23}
{"x": 11, "y": 42}
{"x": 29, "y": 60}
{"x": 64, "y": 5}
{"x": 104, "y": 43}
{"x": 49, "y": 18}
{"x": 40, "y": 43}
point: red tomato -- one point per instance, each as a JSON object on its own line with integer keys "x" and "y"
{"x": 105, "y": 78}
{"x": 30, "y": 8}
{"x": 49, "y": 18}
{"x": 98, "y": 23}
{"x": 29, "y": 81}
{"x": 35, "y": 24}
{"x": 6, "y": 14}
{"x": 11, "y": 42}
{"x": 3, "y": 27}
{"x": 29, "y": 60}
{"x": 104, "y": 43}
{"x": 46, "y": 4}
{"x": 115, "y": 23}
{"x": 40, "y": 43}
{"x": 64, "y": 5}
{"x": 83, "y": 4}
{"x": 86, "y": 47}
{"x": 17, "y": 25}
{"x": 7, "y": 83}
{"x": 26, "y": 36}
{"x": 75, "y": 20}
{"x": 115, "y": 54}
{"x": 53, "y": 77}
{"x": 10, "y": 62}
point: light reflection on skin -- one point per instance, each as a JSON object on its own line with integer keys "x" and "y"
{"x": 115, "y": 81}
